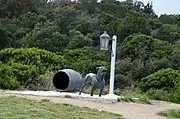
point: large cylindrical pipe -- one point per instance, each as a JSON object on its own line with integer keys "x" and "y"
{"x": 67, "y": 80}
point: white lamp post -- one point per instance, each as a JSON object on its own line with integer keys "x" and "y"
{"x": 104, "y": 41}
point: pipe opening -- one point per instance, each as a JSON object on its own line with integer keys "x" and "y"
{"x": 61, "y": 80}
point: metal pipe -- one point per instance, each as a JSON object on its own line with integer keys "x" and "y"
{"x": 67, "y": 80}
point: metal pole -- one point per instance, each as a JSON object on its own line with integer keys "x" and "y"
{"x": 113, "y": 61}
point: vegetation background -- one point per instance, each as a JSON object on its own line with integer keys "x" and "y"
{"x": 38, "y": 38}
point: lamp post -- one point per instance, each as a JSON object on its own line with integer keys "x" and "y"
{"x": 104, "y": 41}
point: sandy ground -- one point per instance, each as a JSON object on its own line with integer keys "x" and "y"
{"x": 127, "y": 110}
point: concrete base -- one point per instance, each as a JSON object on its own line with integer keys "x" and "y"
{"x": 108, "y": 97}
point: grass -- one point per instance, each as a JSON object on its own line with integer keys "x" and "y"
{"x": 135, "y": 100}
{"x": 134, "y": 97}
{"x": 68, "y": 96}
{"x": 171, "y": 114}
{"x": 126, "y": 96}
{"x": 19, "y": 108}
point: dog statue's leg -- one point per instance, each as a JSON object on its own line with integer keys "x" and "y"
{"x": 92, "y": 90}
{"x": 101, "y": 90}
{"x": 82, "y": 88}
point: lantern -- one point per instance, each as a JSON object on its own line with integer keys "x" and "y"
{"x": 104, "y": 41}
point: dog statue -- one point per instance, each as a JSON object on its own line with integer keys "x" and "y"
{"x": 97, "y": 81}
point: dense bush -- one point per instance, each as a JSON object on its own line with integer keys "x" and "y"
{"x": 84, "y": 60}
{"x": 27, "y": 66}
{"x": 162, "y": 85}
{"x": 23, "y": 66}
{"x": 5, "y": 37}
{"x": 146, "y": 43}
{"x": 136, "y": 45}
{"x": 42, "y": 82}
{"x": 145, "y": 47}
{"x": 42, "y": 59}
{"x": 174, "y": 95}
{"x": 165, "y": 79}
{"x": 7, "y": 78}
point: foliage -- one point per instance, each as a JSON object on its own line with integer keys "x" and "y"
{"x": 142, "y": 55}
{"x": 5, "y": 37}
{"x": 7, "y": 78}
{"x": 175, "y": 57}
{"x": 23, "y": 66}
{"x": 45, "y": 36}
{"x": 168, "y": 33}
{"x": 42, "y": 59}
{"x": 137, "y": 97}
{"x": 162, "y": 85}
{"x": 83, "y": 60}
{"x": 137, "y": 45}
{"x": 78, "y": 40}
{"x": 37, "y": 37}
{"x": 64, "y": 16}
{"x": 108, "y": 22}
{"x": 135, "y": 22}
{"x": 165, "y": 79}
{"x": 29, "y": 20}
{"x": 173, "y": 96}
{"x": 171, "y": 113}
{"x": 42, "y": 82}
{"x": 124, "y": 77}
{"x": 145, "y": 47}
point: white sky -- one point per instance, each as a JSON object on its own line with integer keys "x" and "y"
{"x": 164, "y": 6}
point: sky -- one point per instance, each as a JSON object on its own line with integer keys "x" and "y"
{"x": 164, "y": 6}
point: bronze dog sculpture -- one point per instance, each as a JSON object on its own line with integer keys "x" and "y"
{"x": 97, "y": 81}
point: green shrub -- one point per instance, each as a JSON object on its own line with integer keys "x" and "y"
{"x": 171, "y": 113}
{"x": 29, "y": 66}
{"x": 174, "y": 95}
{"x": 24, "y": 72}
{"x": 165, "y": 79}
{"x": 24, "y": 66}
{"x": 7, "y": 78}
{"x": 42, "y": 59}
{"x": 131, "y": 44}
{"x": 84, "y": 60}
{"x": 42, "y": 82}
{"x": 162, "y": 85}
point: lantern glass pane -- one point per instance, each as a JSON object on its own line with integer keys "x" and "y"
{"x": 104, "y": 41}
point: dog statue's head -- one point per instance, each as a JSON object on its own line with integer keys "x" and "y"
{"x": 101, "y": 72}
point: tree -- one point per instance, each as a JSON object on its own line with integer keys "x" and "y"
{"x": 5, "y": 38}
{"x": 108, "y": 22}
{"x": 137, "y": 46}
{"x": 148, "y": 9}
{"x": 29, "y": 20}
{"x": 175, "y": 57}
{"x": 135, "y": 22}
{"x": 88, "y": 5}
{"x": 162, "y": 85}
{"x": 45, "y": 36}
{"x": 170, "y": 33}
{"x": 64, "y": 16}
{"x": 78, "y": 40}
{"x": 13, "y": 8}
{"x": 113, "y": 7}
{"x": 170, "y": 19}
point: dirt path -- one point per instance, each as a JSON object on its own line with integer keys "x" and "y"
{"x": 127, "y": 110}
